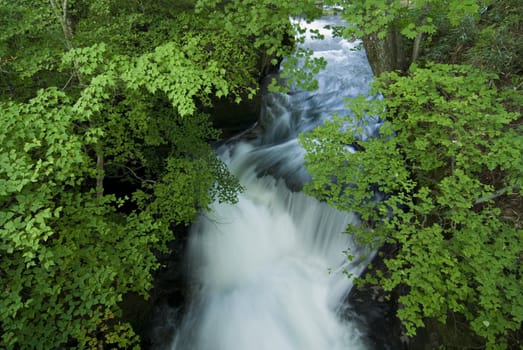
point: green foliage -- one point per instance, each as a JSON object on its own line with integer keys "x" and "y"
{"x": 66, "y": 255}
{"x": 499, "y": 42}
{"x": 410, "y": 17}
{"x": 447, "y": 159}
{"x": 255, "y": 20}
{"x": 298, "y": 72}
{"x": 22, "y": 63}
{"x": 493, "y": 43}
{"x": 105, "y": 89}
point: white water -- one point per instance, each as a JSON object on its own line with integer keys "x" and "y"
{"x": 269, "y": 270}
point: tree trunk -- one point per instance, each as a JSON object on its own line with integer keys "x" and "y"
{"x": 61, "y": 13}
{"x": 387, "y": 54}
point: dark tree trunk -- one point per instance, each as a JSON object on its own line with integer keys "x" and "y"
{"x": 387, "y": 54}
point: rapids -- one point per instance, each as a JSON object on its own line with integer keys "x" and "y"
{"x": 270, "y": 271}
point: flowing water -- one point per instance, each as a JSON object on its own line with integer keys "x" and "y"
{"x": 269, "y": 270}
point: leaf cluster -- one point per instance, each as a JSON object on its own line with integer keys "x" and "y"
{"x": 100, "y": 92}
{"x": 433, "y": 185}
{"x": 67, "y": 258}
{"x": 409, "y": 17}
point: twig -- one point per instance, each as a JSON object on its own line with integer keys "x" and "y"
{"x": 132, "y": 172}
{"x": 496, "y": 194}
{"x": 68, "y": 81}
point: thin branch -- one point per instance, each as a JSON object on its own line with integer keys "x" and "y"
{"x": 132, "y": 173}
{"x": 68, "y": 81}
{"x": 100, "y": 172}
{"x": 496, "y": 194}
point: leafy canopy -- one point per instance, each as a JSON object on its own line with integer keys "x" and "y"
{"x": 447, "y": 159}
{"x": 410, "y": 17}
{"x": 97, "y": 95}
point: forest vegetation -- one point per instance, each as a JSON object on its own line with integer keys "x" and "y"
{"x": 447, "y": 167}
{"x": 105, "y": 153}
{"x": 105, "y": 148}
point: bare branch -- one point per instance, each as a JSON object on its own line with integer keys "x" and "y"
{"x": 496, "y": 194}
{"x": 132, "y": 173}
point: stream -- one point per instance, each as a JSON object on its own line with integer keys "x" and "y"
{"x": 270, "y": 271}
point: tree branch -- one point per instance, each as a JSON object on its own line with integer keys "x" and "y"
{"x": 61, "y": 14}
{"x": 419, "y": 37}
{"x": 132, "y": 173}
{"x": 416, "y": 47}
{"x": 100, "y": 173}
{"x": 496, "y": 194}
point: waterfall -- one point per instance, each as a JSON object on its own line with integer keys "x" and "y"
{"x": 270, "y": 271}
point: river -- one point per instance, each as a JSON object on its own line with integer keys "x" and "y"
{"x": 270, "y": 271}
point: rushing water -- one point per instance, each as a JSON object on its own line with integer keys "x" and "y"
{"x": 270, "y": 270}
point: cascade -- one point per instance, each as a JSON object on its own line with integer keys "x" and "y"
{"x": 270, "y": 271}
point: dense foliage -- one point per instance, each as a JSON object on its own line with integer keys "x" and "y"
{"x": 444, "y": 143}
{"x": 102, "y": 95}
{"x": 410, "y": 17}
{"x": 447, "y": 168}
{"x": 104, "y": 149}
